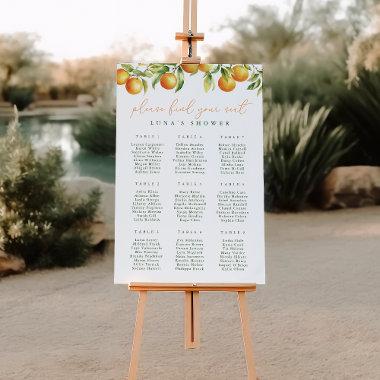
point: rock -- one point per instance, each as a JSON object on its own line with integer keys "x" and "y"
{"x": 10, "y": 264}
{"x": 98, "y": 231}
{"x": 106, "y": 213}
{"x": 85, "y": 100}
{"x": 350, "y": 186}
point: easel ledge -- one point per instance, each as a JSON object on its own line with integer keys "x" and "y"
{"x": 188, "y": 287}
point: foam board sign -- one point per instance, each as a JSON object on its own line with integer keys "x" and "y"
{"x": 189, "y": 174}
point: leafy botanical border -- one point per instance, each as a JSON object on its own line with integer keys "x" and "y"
{"x": 153, "y": 72}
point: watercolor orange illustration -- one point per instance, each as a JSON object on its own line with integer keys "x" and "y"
{"x": 240, "y": 73}
{"x": 168, "y": 81}
{"x": 226, "y": 84}
{"x": 171, "y": 76}
{"x": 206, "y": 67}
{"x": 190, "y": 68}
{"x": 134, "y": 85}
{"x": 121, "y": 76}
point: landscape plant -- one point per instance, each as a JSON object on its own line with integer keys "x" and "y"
{"x": 21, "y": 97}
{"x": 22, "y": 67}
{"x": 96, "y": 131}
{"x": 38, "y": 220}
{"x": 358, "y": 107}
{"x": 299, "y": 152}
{"x": 314, "y": 79}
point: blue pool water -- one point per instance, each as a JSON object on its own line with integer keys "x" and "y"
{"x": 43, "y": 133}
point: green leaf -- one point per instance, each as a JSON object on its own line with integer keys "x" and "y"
{"x": 127, "y": 67}
{"x": 248, "y": 67}
{"x": 148, "y": 74}
{"x": 164, "y": 69}
{"x": 180, "y": 78}
{"x": 254, "y": 85}
{"x": 225, "y": 73}
{"x": 154, "y": 67}
{"x": 207, "y": 82}
{"x": 216, "y": 69}
{"x": 254, "y": 77}
{"x": 156, "y": 78}
{"x": 145, "y": 84}
{"x": 229, "y": 70}
{"x": 137, "y": 72}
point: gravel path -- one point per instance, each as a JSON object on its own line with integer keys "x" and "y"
{"x": 317, "y": 318}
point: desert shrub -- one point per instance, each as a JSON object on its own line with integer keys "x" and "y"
{"x": 96, "y": 131}
{"x": 358, "y": 107}
{"x": 71, "y": 91}
{"x": 299, "y": 152}
{"x": 38, "y": 220}
{"x": 19, "y": 96}
{"x": 312, "y": 80}
{"x": 54, "y": 92}
{"x": 364, "y": 52}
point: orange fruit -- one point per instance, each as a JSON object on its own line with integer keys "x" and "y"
{"x": 134, "y": 85}
{"x": 121, "y": 76}
{"x": 168, "y": 81}
{"x": 240, "y": 73}
{"x": 226, "y": 85}
{"x": 190, "y": 67}
{"x": 205, "y": 67}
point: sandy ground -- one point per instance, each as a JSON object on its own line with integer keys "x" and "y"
{"x": 317, "y": 318}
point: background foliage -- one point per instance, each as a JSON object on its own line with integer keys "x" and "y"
{"x": 38, "y": 220}
{"x": 319, "y": 54}
{"x": 359, "y": 109}
{"x": 96, "y": 131}
{"x": 299, "y": 152}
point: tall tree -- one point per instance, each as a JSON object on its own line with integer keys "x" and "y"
{"x": 261, "y": 35}
{"x": 18, "y": 53}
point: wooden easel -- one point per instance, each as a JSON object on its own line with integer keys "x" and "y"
{"x": 189, "y": 38}
{"x": 192, "y": 324}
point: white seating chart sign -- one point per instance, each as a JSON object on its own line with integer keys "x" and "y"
{"x": 189, "y": 174}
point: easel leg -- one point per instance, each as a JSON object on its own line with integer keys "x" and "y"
{"x": 248, "y": 346}
{"x": 192, "y": 308}
{"x": 137, "y": 336}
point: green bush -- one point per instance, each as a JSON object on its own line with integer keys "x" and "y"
{"x": 38, "y": 220}
{"x": 21, "y": 97}
{"x": 96, "y": 131}
{"x": 54, "y": 93}
{"x": 299, "y": 151}
{"x": 314, "y": 81}
{"x": 358, "y": 108}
